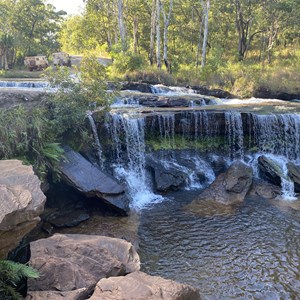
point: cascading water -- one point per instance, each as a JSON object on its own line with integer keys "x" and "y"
{"x": 166, "y": 125}
{"x": 24, "y": 84}
{"x": 235, "y": 134}
{"x": 96, "y": 139}
{"x": 278, "y": 134}
{"x": 130, "y": 164}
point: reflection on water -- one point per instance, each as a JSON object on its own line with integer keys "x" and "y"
{"x": 251, "y": 252}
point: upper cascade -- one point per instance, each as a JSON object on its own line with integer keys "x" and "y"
{"x": 24, "y": 84}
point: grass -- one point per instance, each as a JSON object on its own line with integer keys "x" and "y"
{"x": 21, "y": 73}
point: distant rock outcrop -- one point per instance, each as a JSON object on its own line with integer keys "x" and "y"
{"x": 139, "y": 285}
{"x": 21, "y": 203}
{"x": 91, "y": 181}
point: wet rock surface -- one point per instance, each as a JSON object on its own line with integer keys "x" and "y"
{"x": 139, "y": 285}
{"x": 269, "y": 170}
{"x": 166, "y": 176}
{"x": 10, "y": 98}
{"x": 92, "y": 182}
{"x": 73, "y": 261}
{"x": 21, "y": 203}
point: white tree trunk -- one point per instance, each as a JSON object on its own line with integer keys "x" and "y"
{"x": 135, "y": 35}
{"x": 205, "y": 35}
{"x": 158, "y": 58}
{"x": 152, "y": 33}
{"x": 121, "y": 23}
{"x": 166, "y": 28}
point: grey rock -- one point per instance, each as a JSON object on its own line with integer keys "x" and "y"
{"x": 91, "y": 181}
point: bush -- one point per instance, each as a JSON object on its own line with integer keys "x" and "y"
{"x": 127, "y": 62}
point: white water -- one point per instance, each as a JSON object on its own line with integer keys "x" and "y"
{"x": 280, "y": 163}
{"x": 35, "y": 85}
{"x": 130, "y": 162}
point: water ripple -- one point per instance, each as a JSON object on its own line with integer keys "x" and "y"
{"x": 251, "y": 253}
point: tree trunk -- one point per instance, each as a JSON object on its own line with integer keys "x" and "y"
{"x": 135, "y": 35}
{"x": 199, "y": 42}
{"x": 166, "y": 28}
{"x": 158, "y": 58}
{"x": 121, "y": 23}
{"x": 205, "y": 35}
{"x": 152, "y": 33}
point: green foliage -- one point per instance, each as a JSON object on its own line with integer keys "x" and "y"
{"x": 10, "y": 275}
{"x": 127, "y": 62}
{"x": 74, "y": 97}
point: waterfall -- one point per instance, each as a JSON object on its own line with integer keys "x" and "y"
{"x": 234, "y": 134}
{"x": 130, "y": 160}
{"x": 166, "y": 124}
{"x": 278, "y": 134}
{"x": 96, "y": 139}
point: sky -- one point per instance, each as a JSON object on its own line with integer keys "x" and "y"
{"x": 70, "y": 6}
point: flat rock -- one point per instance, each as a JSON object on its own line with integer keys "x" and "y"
{"x": 21, "y": 203}
{"x": 73, "y": 261}
{"x": 140, "y": 286}
{"x": 91, "y": 181}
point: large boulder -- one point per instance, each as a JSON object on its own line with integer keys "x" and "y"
{"x": 21, "y": 203}
{"x": 92, "y": 182}
{"x": 229, "y": 187}
{"x": 139, "y": 285}
{"x": 73, "y": 261}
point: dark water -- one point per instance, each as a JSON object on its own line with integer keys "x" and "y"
{"x": 248, "y": 252}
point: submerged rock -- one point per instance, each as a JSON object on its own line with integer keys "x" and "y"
{"x": 229, "y": 187}
{"x": 21, "y": 203}
{"x": 66, "y": 219}
{"x": 73, "y": 261}
{"x": 92, "y": 182}
{"x": 139, "y": 285}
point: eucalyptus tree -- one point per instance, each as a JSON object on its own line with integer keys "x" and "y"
{"x": 36, "y": 25}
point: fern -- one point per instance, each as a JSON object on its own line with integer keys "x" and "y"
{"x": 10, "y": 275}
